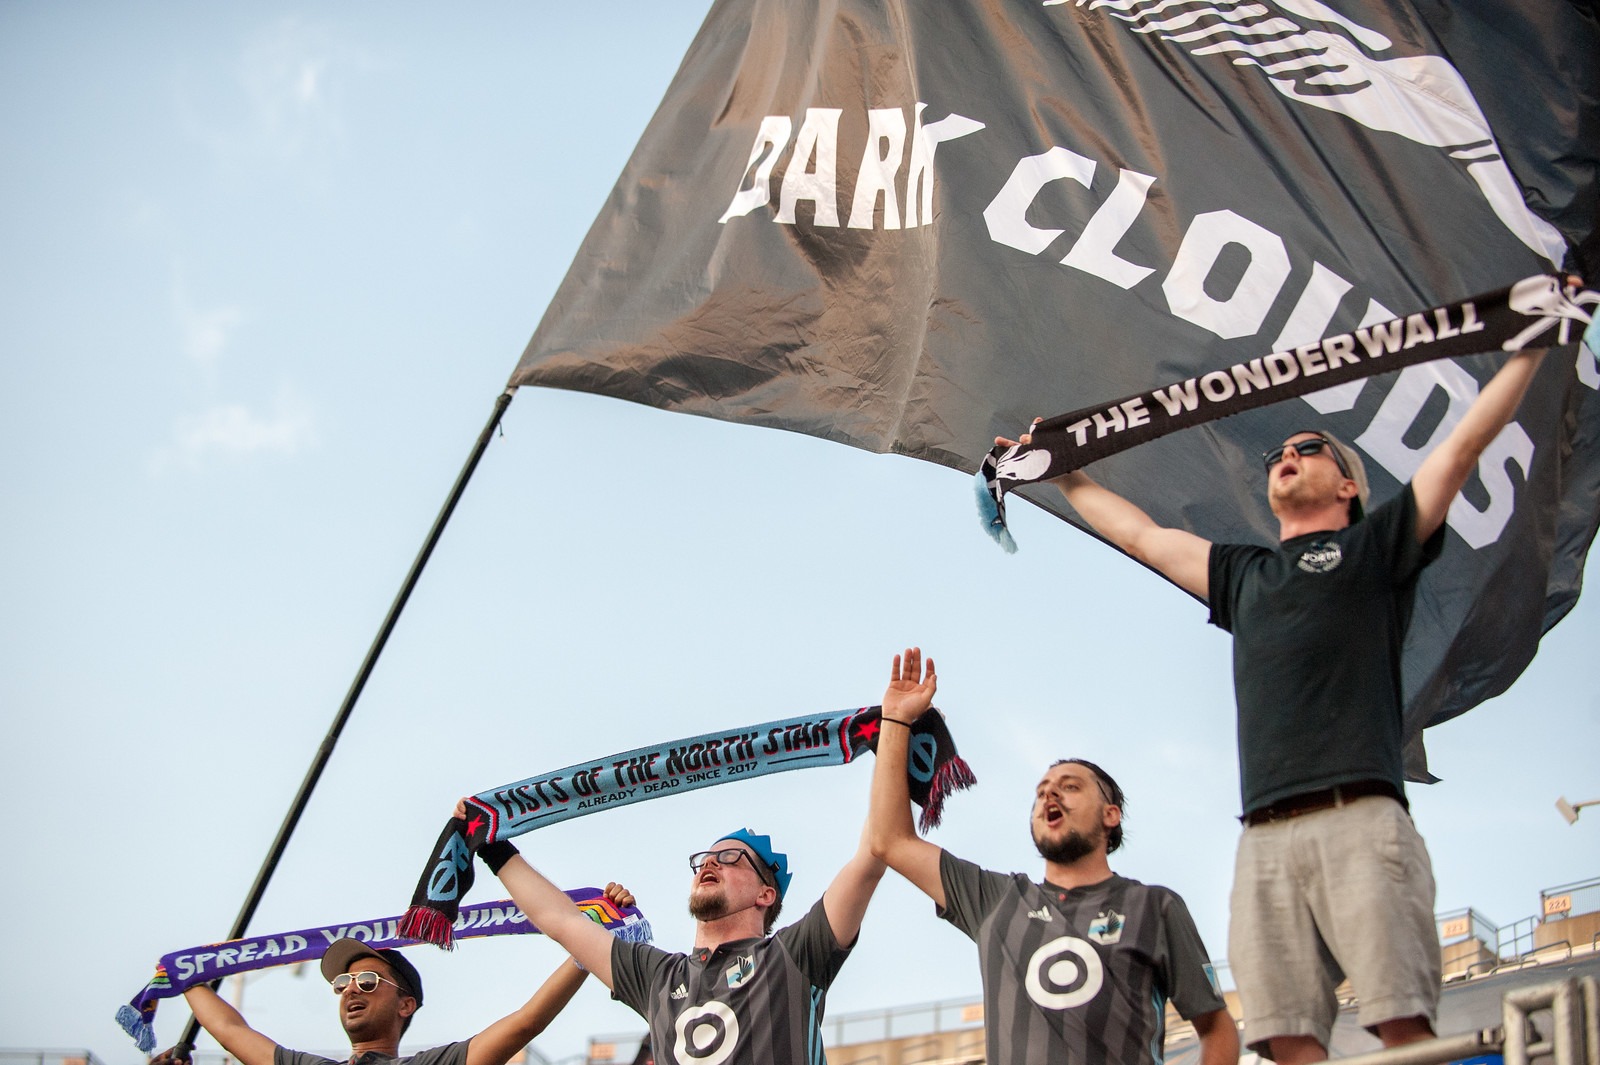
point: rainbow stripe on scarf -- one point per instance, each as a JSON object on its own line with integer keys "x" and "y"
{"x": 183, "y": 969}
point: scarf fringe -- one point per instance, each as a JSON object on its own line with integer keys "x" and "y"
{"x": 994, "y": 521}
{"x": 427, "y": 926}
{"x": 955, "y": 775}
{"x": 637, "y": 932}
{"x": 144, "y": 1036}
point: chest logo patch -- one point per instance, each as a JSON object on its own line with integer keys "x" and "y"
{"x": 1321, "y": 558}
{"x": 1106, "y": 928}
{"x": 1064, "y": 973}
{"x": 706, "y": 1034}
{"x": 741, "y": 970}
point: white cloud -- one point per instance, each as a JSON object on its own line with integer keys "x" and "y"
{"x": 289, "y": 76}
{"x": 283, "y": 75}
{"x": 231, "y": 431}
{"x": 306, "y": 86}
{"x": 205, "y": 330}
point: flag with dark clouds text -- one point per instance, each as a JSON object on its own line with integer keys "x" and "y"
{"x": 910, "y": 228}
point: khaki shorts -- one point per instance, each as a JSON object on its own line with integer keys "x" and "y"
{"x": 1343, "y": 891}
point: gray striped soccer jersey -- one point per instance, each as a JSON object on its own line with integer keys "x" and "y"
{"x": 748, "y": 1002}
{"x": 1080, "y": 976}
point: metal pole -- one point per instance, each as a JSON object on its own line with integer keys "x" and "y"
{"x": 325, "y": 751}
{"x": 1563, "y": 1000}
{"x": 1590, "y": 988}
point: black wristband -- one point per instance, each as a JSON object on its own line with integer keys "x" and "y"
{"x": 895, "y": 720}
{"x": 497, "y": 854}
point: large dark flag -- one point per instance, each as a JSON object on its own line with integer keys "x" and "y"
{"x": 910, "y": 228}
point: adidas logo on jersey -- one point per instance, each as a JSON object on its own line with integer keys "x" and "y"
{"x": 1041, "y": 914}
{"x": 678, "y": 993}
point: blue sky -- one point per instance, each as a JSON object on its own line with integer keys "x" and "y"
{"x": 263, "y": 270}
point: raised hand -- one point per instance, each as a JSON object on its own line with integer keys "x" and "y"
{"x": 911, "y": 689}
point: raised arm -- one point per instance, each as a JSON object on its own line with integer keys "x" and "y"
{"x": 845, "y": 901}
{"x": 501, "y": 1041}
{"x": 1448, "y": 466}
{"x": 888, "y": 832}
{"x": 1180, "y": 556}
{"x": 227, "y": 1026}
{"x": 548, "y": 907}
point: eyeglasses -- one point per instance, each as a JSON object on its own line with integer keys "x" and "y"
{"x": 1313, "y": 446}
{"x": 365, "y": 981}
{"x": 730, "y": 856}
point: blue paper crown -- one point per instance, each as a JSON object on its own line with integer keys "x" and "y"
{"x": 776, "y": 863}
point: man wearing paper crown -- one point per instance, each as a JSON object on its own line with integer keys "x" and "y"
{"x": 744, "y": 995}
{"x": 378, "y": 992}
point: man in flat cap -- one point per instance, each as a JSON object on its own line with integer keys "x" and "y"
{"x": 379, "y": 991}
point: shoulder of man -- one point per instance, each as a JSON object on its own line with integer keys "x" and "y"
{"x": 449, "y": 1054}
{"x": 955, "y": 865}
{"x": 809, "y": 923}
{"x": 1397, "y": 507}
{"x": 282, "y": 1055}
{"x": 955, "y": 871}
{"x": 634, "y": 955}
{"x": 1158, "y": 893}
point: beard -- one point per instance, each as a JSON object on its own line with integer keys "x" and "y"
{"x": 1069, "y": 848}
{"x": 708, "y": 905}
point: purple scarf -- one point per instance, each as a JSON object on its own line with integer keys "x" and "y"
{"x": 183, "y": 969}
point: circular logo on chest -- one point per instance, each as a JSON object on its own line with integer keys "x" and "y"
{"x": 1321, "y": 557}
{"x": 706, "y": 1035}
{"x": 1064, "y": 973}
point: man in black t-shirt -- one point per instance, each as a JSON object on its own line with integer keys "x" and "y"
{"x": 378, "y": 992}
{"x": 1078, "y": 967}
{"x": 1331, "y": 879}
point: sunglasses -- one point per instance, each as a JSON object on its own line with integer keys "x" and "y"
{"x": 365, "y": 981}
{"x": 1313, "y": 446}
{"x": 730, "y": 856}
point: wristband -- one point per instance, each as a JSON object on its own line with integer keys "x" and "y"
{"x": 895, "y": 720}
{"x": 497, "y": 854}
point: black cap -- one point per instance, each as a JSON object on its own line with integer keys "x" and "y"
{"x": 341, "y": 952}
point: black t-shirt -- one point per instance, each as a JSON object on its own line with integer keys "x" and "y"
{"x": 1078, "y": 974}
{"x": 1318, "y": 624}
{"x": 748, "y": 1002}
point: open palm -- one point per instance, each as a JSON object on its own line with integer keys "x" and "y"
{"x": 911, "y": 686}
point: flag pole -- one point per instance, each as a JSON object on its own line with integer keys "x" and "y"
{"x": 186, "y": 1044}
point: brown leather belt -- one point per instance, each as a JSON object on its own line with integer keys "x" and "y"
{"x": 1325, "y": 799}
